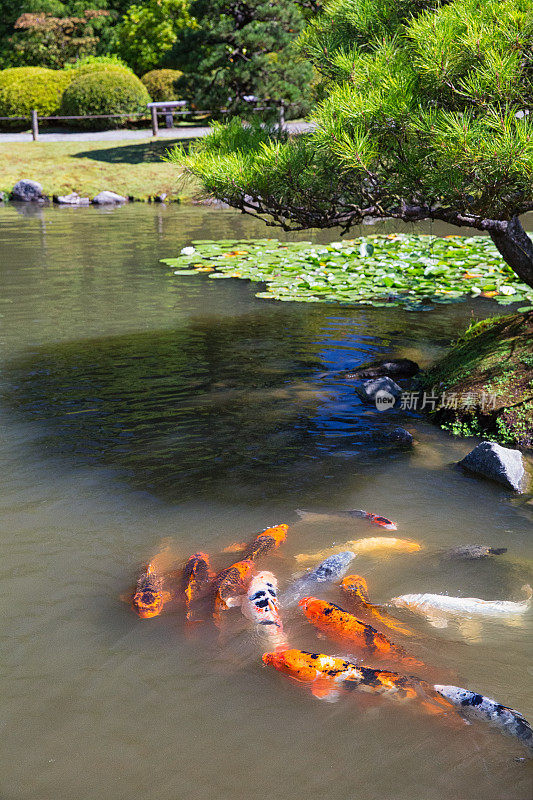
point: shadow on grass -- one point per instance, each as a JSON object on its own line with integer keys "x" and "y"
{"x": 148, "y": 152}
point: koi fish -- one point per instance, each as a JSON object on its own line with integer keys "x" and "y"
{"x": 149, "y": 598}
{"x": 311, "y": 516}
{"x": 328, "y": 676}
{"x": 355, "y": 588}
{"x": 471, "y": 551}
{"x": 260, "y": 603}
{"x": 477, "y": 705}
{"x": 229, "y": 584}
{"x": 266, "y": 541}
{"x": 196, "y": 579}
{"x": 346, "y": 628}
{"x": 435, "y": 607}
{"x": 362, "y": 546}
{"x": 331, "y": 569}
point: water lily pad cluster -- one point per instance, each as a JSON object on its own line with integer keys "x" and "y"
{"x": 414, "y": 271}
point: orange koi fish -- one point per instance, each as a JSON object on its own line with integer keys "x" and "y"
{"x": 363, "y": 546}
{"x": 196, "y": 578}
{"x": 344, "y": 627}
{"x": 149, "y": 598}
{"x": 354, "y": 513}
{"x": 328, "y": 675}
{"x": 231, "y": 583}
{"x": 263, "y": 543}
{"x": 355, "y": 588}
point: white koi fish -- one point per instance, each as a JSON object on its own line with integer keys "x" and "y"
{"x": 477, "y": 705}
{"x": 436, "y": 607}
{"x": 260, "y": 604}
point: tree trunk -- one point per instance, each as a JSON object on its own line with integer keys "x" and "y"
{"x": 516, "y": 248}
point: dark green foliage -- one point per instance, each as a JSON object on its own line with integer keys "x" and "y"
{"x": 239, "y": 49}
{"x": 161, "y": 84}
{"x": 419, "y": 121}
{"x": 105, "y": 92}
{"x": 25, "y": 88}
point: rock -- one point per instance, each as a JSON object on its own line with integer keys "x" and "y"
{"x": 498, "y": 463}
{"x": 397, "y": 368}
{"x": 27, "y": 191}
{"x": 400, "y": 435}
{"x": 160, "y": 198}
{"x": 382, "y": 392}
{"x": 109, "y": 198}
{"x": 72, "y": 199}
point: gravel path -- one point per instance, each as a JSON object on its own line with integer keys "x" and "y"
{"x": 123, "y": 135}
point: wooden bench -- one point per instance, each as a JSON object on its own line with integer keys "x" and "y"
{"x": 165, "y": 107}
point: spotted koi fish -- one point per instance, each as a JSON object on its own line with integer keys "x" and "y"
{"x": 331, "y": 569}
{"x": 230, "y": 584}
{"x": 477, "y": 705}
{"x": 265, "y": 542}
{"x": 354, "y": 513}
{"x": 196, "y": 579}
{"x": 343, "y": 627}
{"x": 363, "y": 546}
{"x": 328, "y": 676}
{"x": 355, "y": 588}
{"x": 149, "y": 598}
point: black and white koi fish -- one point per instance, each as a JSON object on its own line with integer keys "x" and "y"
{"x": 477, "y": 705}
{"x": 331, "y": 569}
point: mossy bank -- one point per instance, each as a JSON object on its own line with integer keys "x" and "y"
{"x": 485, "y": 382}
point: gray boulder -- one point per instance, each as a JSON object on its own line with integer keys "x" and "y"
{"x": 370, "y": 391}
{"x": 26, "y": 191}
{"x": 109, "y": 198}
{"x": 393, "y": 368}
{"x": 72, "y": 199}
{"x": 498, "y": 463}
{"x": 400, "y": 435}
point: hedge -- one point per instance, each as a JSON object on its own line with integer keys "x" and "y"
{"x": 90, "y": 64}
{"x": 161, "y": 84}
{"x": 105, "y": 92}
{"x": 25, "y": 88}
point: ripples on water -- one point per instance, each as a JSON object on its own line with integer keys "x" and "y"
{"x": 139, "y": 408}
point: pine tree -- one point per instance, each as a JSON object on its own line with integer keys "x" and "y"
{"x": 425, "y": 116}
{"x": 241, "y": 49}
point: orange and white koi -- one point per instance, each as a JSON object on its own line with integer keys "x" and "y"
{"x": 149, "y": 598}
{"x": 354, "y": 513}
{"x": 363, "y": 547}
{"x": 344, "y": 627}
{"x": 196, "y": 579}
{"x": 328, "y": 676}
{"x": 230, "y": 584}
{"x": 355, "y": 588}
{"x": 264, "y": 543}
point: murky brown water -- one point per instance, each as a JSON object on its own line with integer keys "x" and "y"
{"x": 138, "y": 408}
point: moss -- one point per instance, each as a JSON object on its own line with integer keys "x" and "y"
{"x": 492, "y": 364}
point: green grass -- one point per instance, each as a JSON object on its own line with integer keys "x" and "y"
{"x": 130, "y": 168}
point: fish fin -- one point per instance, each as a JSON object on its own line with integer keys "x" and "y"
{"x": 436, "y": 621}
{"x": 323, "y": 690}
{"x": 526, "y": 588}
{"x": 126, "y": 597}
{"x": 471, "y": 630}
{"x": 235, "y": 547}
{"x": 307, "y": 516}
{"x": 232, "y": 602}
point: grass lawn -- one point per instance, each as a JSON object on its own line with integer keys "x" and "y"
{"x": 129, "y": 168}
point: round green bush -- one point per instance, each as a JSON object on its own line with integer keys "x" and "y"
{"x": 105, "y": 92}
{"x": 25, "y": 88}
{"x": 89, "y": 64}
{"x": 161, "y": 84}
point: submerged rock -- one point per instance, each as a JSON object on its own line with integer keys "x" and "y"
{"x": 368, "y": 391}
{"x": 27, "y": 191}
{"x": 498, "y": 463}
{"x": 109, "y": 198}
{"x": 396, "y": 368}
{"x": 72, "y": 199}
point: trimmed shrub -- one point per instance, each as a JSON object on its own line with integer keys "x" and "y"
{"x": 25, "y": 88}
{"x": 161, "y": 84}
{"x": 104, "y": 92}
{"x": 89, "y": 64}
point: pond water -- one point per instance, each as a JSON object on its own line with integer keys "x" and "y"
{"x": 140, "y": 411}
